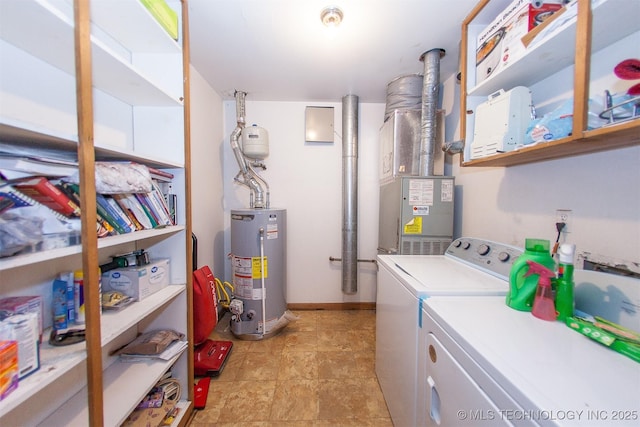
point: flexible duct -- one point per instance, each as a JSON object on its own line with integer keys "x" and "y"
{"x": 430, "y": 97}
{"x": 350, "y": 194}
{"x": 249, "y": 177}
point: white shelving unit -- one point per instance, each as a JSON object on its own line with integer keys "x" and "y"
{"x": 556, "y": 66}
{"x": 140, "y": 113}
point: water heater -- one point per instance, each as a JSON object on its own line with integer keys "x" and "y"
{"x": 258, "y": 254}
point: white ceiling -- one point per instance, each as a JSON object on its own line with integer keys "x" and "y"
{"x": 279, "y": 50}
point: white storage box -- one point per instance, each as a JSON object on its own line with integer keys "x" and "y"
{"x": 500, "y": 43}
{"x": 501, "y": 122}
{"x": 138, "y": 282}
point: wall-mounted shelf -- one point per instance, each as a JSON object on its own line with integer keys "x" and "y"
{"x": 567, "y": 46}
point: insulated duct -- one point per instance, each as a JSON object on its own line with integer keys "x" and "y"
{"x": 350, "y": 194}
{"x": 430, "y": 97}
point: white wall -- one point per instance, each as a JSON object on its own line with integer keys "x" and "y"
{"x": 513, "y": 203}
{"x": 306, "y": 179}
{"x": 207, "y": 173}
{"x": 502, "y": 204}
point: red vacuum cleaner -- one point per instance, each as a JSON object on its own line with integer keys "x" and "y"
{"x": 210, "y": 356}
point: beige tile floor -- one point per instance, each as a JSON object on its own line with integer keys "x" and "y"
{"x": 318, "y": 372}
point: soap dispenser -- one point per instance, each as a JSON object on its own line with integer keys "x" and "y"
{"x": 543, "y": 305}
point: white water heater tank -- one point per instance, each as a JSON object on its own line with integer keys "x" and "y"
{"x": 255, "y": 142}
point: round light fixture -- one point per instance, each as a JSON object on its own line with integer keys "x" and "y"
{"x": 331, "y": 16}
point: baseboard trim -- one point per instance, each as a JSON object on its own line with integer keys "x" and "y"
{"x": 333, "y": 306}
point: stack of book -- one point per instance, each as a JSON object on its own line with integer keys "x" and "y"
{"x": 59, "y": 198}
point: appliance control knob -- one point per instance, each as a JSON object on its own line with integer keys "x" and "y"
{"x": 457, "y": 243}
{"x": 466, "y": 245}
{"x": 483, "y": 249}
{"x": 504, "y": 256}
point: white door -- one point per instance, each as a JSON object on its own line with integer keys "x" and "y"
{"x": 453, "y": 398}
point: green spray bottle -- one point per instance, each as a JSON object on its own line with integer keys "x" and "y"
{"x": 522, "y": 289}
{"x": 564, "y": 284}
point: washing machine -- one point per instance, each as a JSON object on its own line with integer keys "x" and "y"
{"x": 485, "y": 364}
{"x": 469, "y": 267}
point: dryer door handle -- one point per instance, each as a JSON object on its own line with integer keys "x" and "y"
{"x": 434, "y": 401}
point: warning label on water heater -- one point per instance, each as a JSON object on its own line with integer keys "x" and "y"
{"x": 272, "y": 231}
{"x": 257, "y": 266}
{"x": 245, "y": 271}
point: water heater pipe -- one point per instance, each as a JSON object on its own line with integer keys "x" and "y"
{"x": 350, "y": 194}
{"x": 264, "y": 293}
{"x": 249, "y": 177}
{"x": 430, "y": 98}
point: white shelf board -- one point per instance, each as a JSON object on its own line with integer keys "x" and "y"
{"x": 121, "y": 80}
{"x": 55, "y": 362}
{"x": 35, "y": 137}
{"x": 116, "y": 322}
{"x": 125, "y": 384}
{"x": 46, "y": 32}
{"x": 133, "y": 26}
{"x": 105, "y": 152}
{"x": 105, "y": 242}
{"x": 12, "y": 130}
{"x": 611, "y": 21}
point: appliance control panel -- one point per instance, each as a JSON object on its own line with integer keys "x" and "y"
{"x": 492, "y": 257}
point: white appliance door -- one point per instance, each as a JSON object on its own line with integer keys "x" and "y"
{"x": 452, "y": 397}
{"x": 397, "y": 347}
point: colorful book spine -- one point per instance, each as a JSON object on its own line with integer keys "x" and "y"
{"x": 43, "y": 191}
{"x": 120, "y": 212}
{"x": 106, "y": 211}
{"x": 132, "y": 205}
{"x": 147, "y": 209}
{"x": 156, "y": 204}
{"x": 158, "y": 196}
{"x": 73, "y": 192}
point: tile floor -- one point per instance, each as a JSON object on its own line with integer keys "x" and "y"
{"x": 318, "y": 372}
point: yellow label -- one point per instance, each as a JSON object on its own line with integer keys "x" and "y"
{"x": 256, "y": 268}
{"x": 414, "y": 226}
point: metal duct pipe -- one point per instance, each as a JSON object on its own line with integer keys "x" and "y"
{"x": 249, "y": 177}
{"x": 350, "y": 194}
{"x": 430, "y": 96}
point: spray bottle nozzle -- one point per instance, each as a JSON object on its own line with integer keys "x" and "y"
{"x": 545, "y": 274}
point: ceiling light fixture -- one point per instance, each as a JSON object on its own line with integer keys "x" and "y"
{"x": 331, "y": 16}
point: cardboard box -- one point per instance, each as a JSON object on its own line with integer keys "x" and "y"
{"x": 23, "y": 328}
{"x": 23, "y": 304}
{"x": 138, "y": 282}
{"x": 500, "y": 43}
{"x": 8, "y": 367}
